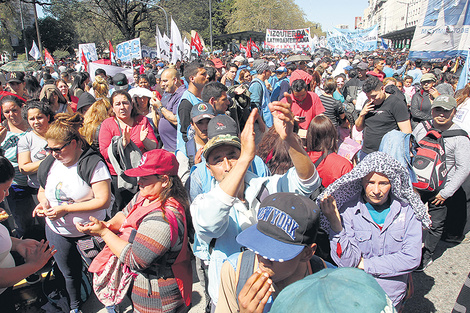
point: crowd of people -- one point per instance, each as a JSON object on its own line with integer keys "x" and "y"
{"x": 273, "y": 176}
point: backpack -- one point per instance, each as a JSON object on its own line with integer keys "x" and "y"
{"x": 429, "y": 162}
{"x": 241, "y": 105}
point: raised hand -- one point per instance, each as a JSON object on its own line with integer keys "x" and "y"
{"x": 255, "y": 294}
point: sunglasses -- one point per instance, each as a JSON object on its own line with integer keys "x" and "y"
{"x": 56, "y": 150}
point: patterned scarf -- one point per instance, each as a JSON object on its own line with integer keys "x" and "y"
{"x": 350, "y": 184}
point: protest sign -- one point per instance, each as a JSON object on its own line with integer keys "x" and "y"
{"x": 442, "y": 31}
{"x": 294, "y": 39}
{"x": 342, "y": 40}
{"x": 89, "y": 50}
{"x": 150, "y": 52}
{"x": 128, "y": 50}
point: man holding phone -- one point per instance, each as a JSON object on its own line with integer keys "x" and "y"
{"x": 382, "y": 113}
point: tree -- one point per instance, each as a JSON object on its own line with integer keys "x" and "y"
{"x": 56, "y": 34}
{"x": 9, "y": 25}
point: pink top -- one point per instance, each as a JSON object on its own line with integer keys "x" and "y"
{"x": 310, "y": 107}
{"x": 109, "y": 129}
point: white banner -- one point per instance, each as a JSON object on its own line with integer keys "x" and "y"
{"x": 150, "y": 52}
{"x": 111, "y": 70}
{"x": 89, "y": 49}
{"x": 342, "y": 40}
{"x": 294, "y": 39}
{"x": 442, "y": 32}
{"x": 128, "y": 50}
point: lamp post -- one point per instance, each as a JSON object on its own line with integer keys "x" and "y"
{"x": 210, "y": 21}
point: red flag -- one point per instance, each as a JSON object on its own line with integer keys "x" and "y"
{"x": 49, "y": 58}
{"x": 196, "y": 43}
{"x": 246, "y": 49}
{"x": 112, "y": 53}
{"x": 84, "y": 61}
{"x": 253, "y": 45}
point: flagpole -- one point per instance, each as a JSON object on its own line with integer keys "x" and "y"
{"x": 37, "y": 29}
{"x": 24, "y": 34}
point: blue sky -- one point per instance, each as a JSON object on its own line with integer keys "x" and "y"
{"x": 329, "y": 14}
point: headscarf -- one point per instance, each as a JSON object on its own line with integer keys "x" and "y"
{"x": 46, "y": 92}
{"x": 350, "y": 184}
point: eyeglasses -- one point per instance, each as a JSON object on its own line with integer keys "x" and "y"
{"x": 56, "y": 150}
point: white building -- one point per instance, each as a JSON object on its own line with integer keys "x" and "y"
{"x": 396, "y": 19}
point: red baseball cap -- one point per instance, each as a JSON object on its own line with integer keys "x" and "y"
{"x": 155, "y": 162}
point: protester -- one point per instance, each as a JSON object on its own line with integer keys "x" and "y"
{"x": 228, "y": 159}
{"x": 450, "y": 194}
{"x": 36, "y": 254}
{"x": 158, "y": 251}
{"x": 127, "y": 130}
{"x": 72, "y": 101}
{"x": 280, "y": 253}
{"x": 21, "y": 197}
{"x": 421, "y": 102}
{"x": 334, "y": 109}
{"x": 94, "y": 116}
{"x": 75, "y": 183}
{"x": 368, "y": 209}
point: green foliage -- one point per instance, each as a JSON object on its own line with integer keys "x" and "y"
{"x": 56, "y": 34}
{"x": 9, "y": 16}
{"x": 21, "y": 57}
{"x": 61, "y": 54}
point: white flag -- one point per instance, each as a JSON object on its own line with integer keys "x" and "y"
{"x": 163, "y": 47}
{"x": 187, "y": 49}
{"x": 34, "y": 52}
{"x": 157, "y": 41}
{"x": 177, "y": 43}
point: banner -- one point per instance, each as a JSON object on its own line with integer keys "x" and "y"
{"x": 177, "y": 45}
{"x": 294, "y": 39}
{"x": 89, "y": 49}
{"x": 128, "y": 50}
{"x": 342, "y": 40}
{"x": 442, "y": 32}
{"x": 163, "y": 49}
{"x": 111, "y": 70}
{"x": 150, "y": 52}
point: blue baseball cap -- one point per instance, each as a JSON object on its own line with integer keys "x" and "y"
{"x": 287, "y": 222}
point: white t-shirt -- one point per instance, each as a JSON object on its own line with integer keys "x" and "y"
{"x": 6, "y": 259}
{"x": 462, "y": 116}
{"x": 65, "y": 186}
{"x": 35, "y": 145}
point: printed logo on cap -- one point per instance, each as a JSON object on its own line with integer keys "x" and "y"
{"x": 13, "y": 75}
{"x": 280, "y": 219}
{"x": 202, "y": 107}
{"x": 142, "y": 161}
{"x": 220, "y": 126}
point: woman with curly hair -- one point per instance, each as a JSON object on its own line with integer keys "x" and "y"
{"x": 100, "y": 88}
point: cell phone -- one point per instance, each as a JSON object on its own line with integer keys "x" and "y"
{"x": 301, "y": 118}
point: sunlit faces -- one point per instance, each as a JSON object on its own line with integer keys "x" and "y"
{"x": 122, "y": 107}
{"x": 38, "y": 121}
{"x": 221, "y": 104}
{"x": 232, "y": 72}
{"x": 201, "y": 78}
{"x": 376, "y": 188}
{"x": 64, "y": 152}
{"x": 200, "y": 127}
{"x": 63, "y": 88}
{"x": 17, "y": 88}
{"x": 144, "y": 83}
{"x": 376, "y": 97}
{"x": 408, "y": 82}
{"x": 12, "y": 113}
{"x": 151, "y": 186}
{"x": 428, "y": 84}
{"x": 339, "y": 82}
{"x": 221, "y": 160}
{"x": 168, "y": 82}
{"x": 247, "y": 77}
{"x": 442, "y": 117}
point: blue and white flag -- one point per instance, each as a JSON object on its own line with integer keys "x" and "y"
{"x": 384, "y": 44}
{"x": 34, "y": 52}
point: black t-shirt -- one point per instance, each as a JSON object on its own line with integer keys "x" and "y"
{"x": 381, "y": 120}
{"x": 184, "y": 112}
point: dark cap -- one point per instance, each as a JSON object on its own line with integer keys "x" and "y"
{"x": 222, "y": 130}
{"x": 15, "y": 77}
{"x": 363, "y": 66}
{"x": 85, "y": 100}
{"x": 120, "y": 82}
{"x": 287, "y": 222}
{"x": 201, "y": 111}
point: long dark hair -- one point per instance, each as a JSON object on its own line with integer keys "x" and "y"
{"x": 123, "y": 92}
{"x": 7, "y": 170}
{"x": 322, "y": 135}
{"x": 79, "y": 81}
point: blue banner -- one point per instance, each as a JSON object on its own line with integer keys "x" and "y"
{"x": 128, "y": 50}
{"x": 342, "y": 40}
